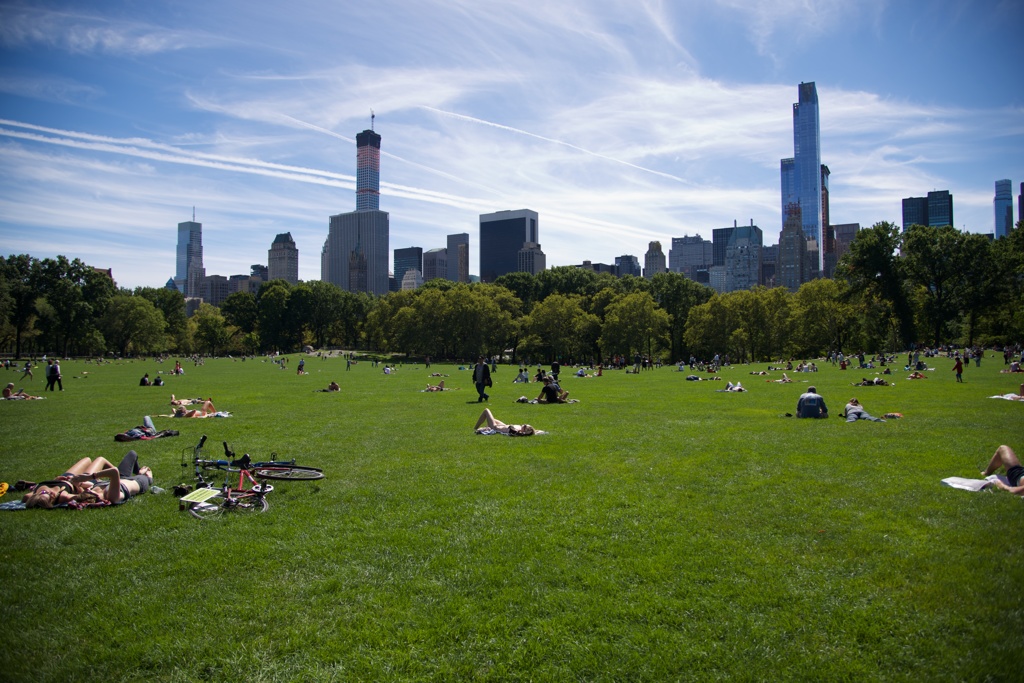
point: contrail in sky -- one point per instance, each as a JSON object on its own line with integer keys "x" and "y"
{"x": 155, "y": 151}
{"x": 443, "y": 174}
{"x": 555, "y": 142}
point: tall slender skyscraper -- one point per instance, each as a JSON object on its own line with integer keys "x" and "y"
{"x": 801, "y": 177}
{"x": 1004, "y": 208}
{"x": 355, "y": 254}
{"x": 189, "y": 271}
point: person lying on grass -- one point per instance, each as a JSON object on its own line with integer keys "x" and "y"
{"x": 495, "y": 425}
{"x": 185, "y": 401}
{"x": 205, "y": 411}
{"x": 1005, "y": 458}
{"x": 438, "y": 387}
{"x": 81, "y": 483}
{"x": 855, "y": 411}
{"x": 11, "y": 395}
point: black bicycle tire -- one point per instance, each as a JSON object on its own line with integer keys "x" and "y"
{"x": 251, "y": 504}
{"x": 290, "y": 473}
{"x": 208, "y": 509}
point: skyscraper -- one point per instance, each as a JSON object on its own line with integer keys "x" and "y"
{"x": 458, "y": 257}
{"x": 355, "y": 254}
{"x": 915, "y": 211}
{"x": 502, "y": 236}
{"x": 627, "y": 264}
{"x": 935, "y": 210}
{"x": 1020, "y": 204}
{"x": 940, "y": 208}
{"x": 367, "y": 171}
{"x": 791, "y": 269}
{"x": 689, "y": 254}
{"x": 189, "y": 271}
{"x": 1004, "y": 208}
{"x": 531, "y": 259}
{"x": 654, "y": 260}
{"x": 845, "y": 234}
{"x": 743, "y": 258}
{"x": 283, "y": 259}
{"x": 801, "y": 176}
{"x": 406, "y": 259}
{"x": 435, "y": 264}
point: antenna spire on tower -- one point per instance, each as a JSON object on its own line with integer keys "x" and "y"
{"x": 371, "y": 119}
{"x": 193, "y": 214}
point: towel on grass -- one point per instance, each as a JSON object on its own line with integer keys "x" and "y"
{"x": 973, "y": 484}
{"x": 1010, "y": 397}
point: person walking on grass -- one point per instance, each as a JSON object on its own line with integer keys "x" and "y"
{"x": 482, "y": 379}
{"x": 958, "y": 368}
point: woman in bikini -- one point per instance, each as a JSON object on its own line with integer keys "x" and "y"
{"x": 205, "y": 411}
{"x": 498, "y": 426}
{"x": 81, "y": 483}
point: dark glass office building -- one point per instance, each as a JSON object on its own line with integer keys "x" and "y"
{"x": 502, "y": 235}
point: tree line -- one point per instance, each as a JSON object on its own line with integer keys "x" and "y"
{"x": 891, "y": 290}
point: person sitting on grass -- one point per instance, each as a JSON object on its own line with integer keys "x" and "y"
{"x": 144, "y": 382}
{"x": 333, "y": 386}
{"x": 523, "y": 377}
{"x": 205, "y": 411}
{"x": 496, "y": 426}
{"x": 811, "y": 404}
{"x": 11, "y": 395}
{"x": 552, "y": 393}
{"x": 1005, "y": 458}
{"x": 855, "y": 411}
{"x": 80, "y": 483}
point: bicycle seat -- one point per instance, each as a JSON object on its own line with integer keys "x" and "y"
{"x": 244, "y": 461}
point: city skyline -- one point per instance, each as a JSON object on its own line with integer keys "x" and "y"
{"x": 620, "y": 124}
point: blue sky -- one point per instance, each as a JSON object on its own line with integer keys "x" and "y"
{"x": 619, "y": 122}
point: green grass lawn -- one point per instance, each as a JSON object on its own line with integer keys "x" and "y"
{"x": 660, "y": 531}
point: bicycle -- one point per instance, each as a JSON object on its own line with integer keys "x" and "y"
{"x": 280, "y": 470}
{"x": 208, "y": 501}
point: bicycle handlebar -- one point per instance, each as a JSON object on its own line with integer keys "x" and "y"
{"x": 201, "y": 442}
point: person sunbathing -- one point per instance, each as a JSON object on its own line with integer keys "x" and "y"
{"x": 205, "y": 411}
{"x": 333, "y": 386}
{"x": 435, "y": 387}
{"x": 81, "y": 484}
{"x": 495, "y": 425}
{"x": 855, "y": 411}
{"x": 185, "y": 401}
{"x": 1005, "y": 458}
{"x": 738, "y": 387}
{"x": 11, "y": 395}
{"x": 783, "y": 380}
{"x": 917, "y": 375}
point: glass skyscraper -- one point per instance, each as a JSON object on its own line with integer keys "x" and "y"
{"x": 502, "y": 235}
{"x": 367, "y": 171}
{"x": 801, "y": 176}
{"x": 1004, "y": 208}
{"x": 189, "y": 271}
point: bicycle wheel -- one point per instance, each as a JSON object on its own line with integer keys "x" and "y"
{"x": 208, "y": 509}
{"x": 248, "y": 503}
{"x": 295, "y": 472}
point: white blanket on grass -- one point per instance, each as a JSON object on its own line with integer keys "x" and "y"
{"x": 974, "y": 484}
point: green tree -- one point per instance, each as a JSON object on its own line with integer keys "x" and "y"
{"x": 633, "y": 324}
{"x": 523, "y": 285}
{"x": 132, "y": 324}
{"x": 709, "y": 327}
{"x": 211, "y": 330}
{"x": 278, "y": 328}
{"x": 930, "y": 261}
{"x": 874, "y": 273}
{"x": 318, "y": 305}
{"x": 171, "y": 303}
{"x": 19, "y": 274}
{"x": 566, "y": 280}
{"x": 676, "y": 294}
{"x": 824, "y": 318}
{"x": 553, "y": 328}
